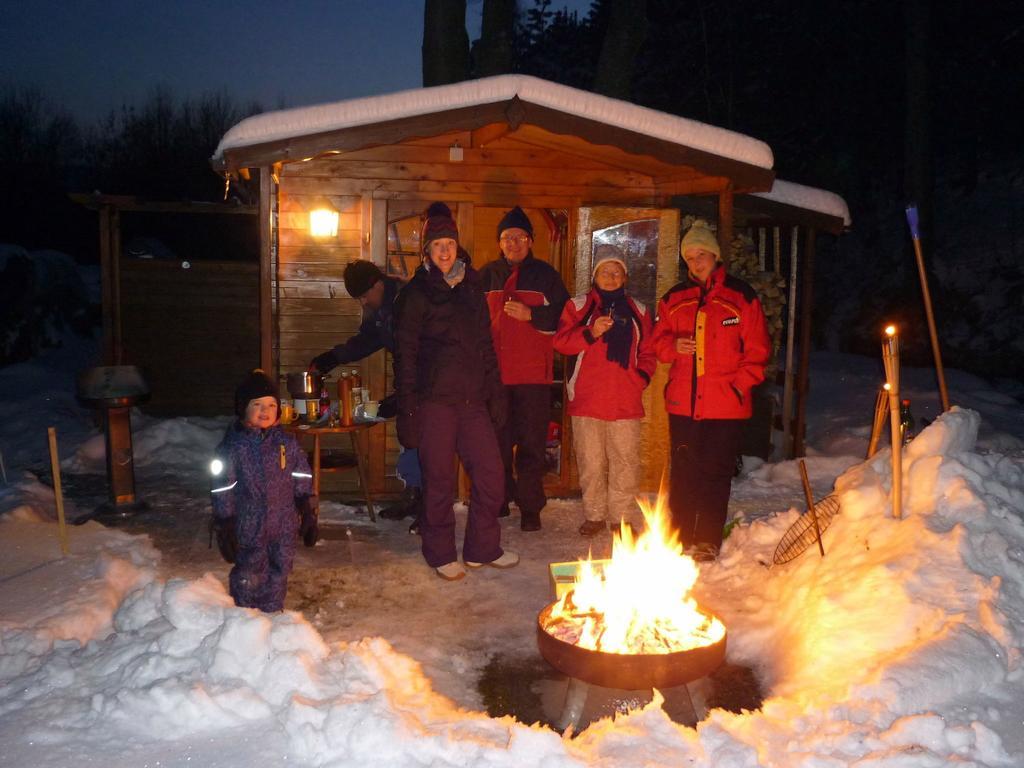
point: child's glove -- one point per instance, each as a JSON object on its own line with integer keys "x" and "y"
{"x": 309, "y": 522}
{"x": 227, "y": 540}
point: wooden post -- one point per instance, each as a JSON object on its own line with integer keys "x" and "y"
{"x": 106, "y": 286}
{"x": 891, "y": 361}
{"x": 806, "y": 305}
{"x": 58, "y": 494}
{"x": 725, "y": 223}
{"x": 915, "y": 234}
{"x": 787, "y": 390}
{"x": 881, "y": 412}
{"x": 115, "y": 283}
{"x": 267, "y": 193}
{"x": 809, "y": 496}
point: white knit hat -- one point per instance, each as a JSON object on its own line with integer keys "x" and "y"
{"x": 605, "y": 253}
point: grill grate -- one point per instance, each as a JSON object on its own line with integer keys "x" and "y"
{"x": 801, "y": 533}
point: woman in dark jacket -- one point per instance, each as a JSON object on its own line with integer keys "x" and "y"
{"x": 448, "y": 386}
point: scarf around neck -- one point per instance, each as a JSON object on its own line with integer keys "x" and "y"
{"x": 619, "y": 337}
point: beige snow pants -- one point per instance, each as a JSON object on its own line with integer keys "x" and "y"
{"x": 608, "y": 460}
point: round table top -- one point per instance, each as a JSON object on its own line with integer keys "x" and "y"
{"x": 324, "y": 429}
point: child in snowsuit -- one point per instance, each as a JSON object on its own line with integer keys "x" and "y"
{"x": 610, "y": 335}
{"x": 262, "y": 485}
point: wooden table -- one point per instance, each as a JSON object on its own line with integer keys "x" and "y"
{"x": 357, "y": 434}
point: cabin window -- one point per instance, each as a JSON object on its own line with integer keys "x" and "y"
{"x": 638, "y": 243}
{"x": 403, "y": 246}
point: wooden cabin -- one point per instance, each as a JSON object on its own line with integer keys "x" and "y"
{"x": 587, "y": 169}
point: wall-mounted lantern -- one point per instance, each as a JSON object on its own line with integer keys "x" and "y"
{"x": 323, "y": 221}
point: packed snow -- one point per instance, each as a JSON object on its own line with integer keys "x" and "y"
{"x": 901, "y": 647}
{"x": 320, "y": 118}
{"x": 810, "y": 198}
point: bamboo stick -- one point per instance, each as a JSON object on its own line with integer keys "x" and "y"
{"x": 62, "y": 529}
{"x": 891, "y": 360}
{"x": 915, "y": 235}
{"x": 881, "y": 411}
{"x": 809, "y": 495}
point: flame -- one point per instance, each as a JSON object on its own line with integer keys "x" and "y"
{"x": 639, "y": 602}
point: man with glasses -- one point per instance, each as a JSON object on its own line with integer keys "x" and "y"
{"x": 525, "y": 297}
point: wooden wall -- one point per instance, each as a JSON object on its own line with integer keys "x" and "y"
{"x": 194, "y": 332}
{"x": 528, "y": 167}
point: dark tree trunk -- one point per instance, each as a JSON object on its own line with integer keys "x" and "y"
{"x": 625, "y": 36}
{"x": 493, "y": 51}
{"x": 445, "y": 42}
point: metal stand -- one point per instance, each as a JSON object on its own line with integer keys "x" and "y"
{"x": 585, "y": 703}
{"x": 122, "y": 503}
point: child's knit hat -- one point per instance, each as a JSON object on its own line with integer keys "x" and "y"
{"x": 255, "y": 385}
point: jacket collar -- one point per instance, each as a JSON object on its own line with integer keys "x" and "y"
{"x": 715, "y": 279}
{"x": 523, "y": 263}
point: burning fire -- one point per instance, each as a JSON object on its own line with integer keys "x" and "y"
{"x": 639, "y": 602}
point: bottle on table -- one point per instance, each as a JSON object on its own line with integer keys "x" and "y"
{"x": 345, "y": 398}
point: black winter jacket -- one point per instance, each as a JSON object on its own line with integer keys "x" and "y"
{"x": 375, "y": 332}
{"x": 443, "y": 349}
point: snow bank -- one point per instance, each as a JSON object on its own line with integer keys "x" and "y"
{"x": 180, "y": 442}
{"x": 885, "y": 650}
{"x": 902, "y": 647}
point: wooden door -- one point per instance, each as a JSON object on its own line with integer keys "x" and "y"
{"x": 649, "y": 240}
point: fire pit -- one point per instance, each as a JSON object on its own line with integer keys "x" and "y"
{"x": 632, "y": 624}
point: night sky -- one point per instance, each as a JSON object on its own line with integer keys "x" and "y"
{"x": 92, "y": 56}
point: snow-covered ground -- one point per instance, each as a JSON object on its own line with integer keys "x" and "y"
{"x": 902, "y": 647}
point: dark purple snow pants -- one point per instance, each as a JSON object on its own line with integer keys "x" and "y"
{"x": 703, "y": 462}
{"x": 464, "y": 429}
{"x": 526, "y": 429}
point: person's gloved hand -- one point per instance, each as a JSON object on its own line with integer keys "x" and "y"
{"x": 309, "y": 524}
{"x": 388, "y": 407}
{"x": 408, "y": 429}
{"x": 324, "y": 363}
{"x": 227, "y": 540}
{"x": 497, "y": 407}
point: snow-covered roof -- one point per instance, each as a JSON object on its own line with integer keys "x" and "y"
{"x": 322, "y": 118}
{"x": 808, "y": 198}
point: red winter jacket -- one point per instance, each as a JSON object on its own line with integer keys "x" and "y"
{"x": 524, "y": 348}
{"x": 726, "y": 319}
{"x": 598, "y": 387}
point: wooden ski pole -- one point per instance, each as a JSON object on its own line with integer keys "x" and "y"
{"x": 809, "y": 495}
{"x": 58, "y": 494}
{"x": 891, "y": 360}
{"x": 915, "y": 235}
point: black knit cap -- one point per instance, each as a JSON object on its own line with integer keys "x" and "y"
{"x": 255, "y": 385}
{"x": 515, "y": 219}
{"x": 438, "y": 222}
{"x": 360, "y": 276}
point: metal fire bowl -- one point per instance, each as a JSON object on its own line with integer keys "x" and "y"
{"x": 624, "y": 670}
